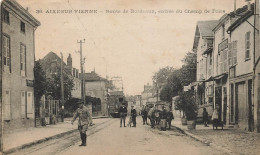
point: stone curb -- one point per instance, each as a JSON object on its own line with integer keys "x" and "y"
{"x": 204, "y": 141}
{"x": 12, "y": 150}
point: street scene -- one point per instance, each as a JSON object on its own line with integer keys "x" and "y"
{"x": 130, "y": 77}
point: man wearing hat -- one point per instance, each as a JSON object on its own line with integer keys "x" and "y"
{"x": 133, "y": 114}
{"x": 84, "y": 119}
{"x": 123, "y": 112}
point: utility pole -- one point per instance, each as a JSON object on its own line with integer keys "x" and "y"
{"x": 82, "y": 72}
{"x": 62, "y": 87}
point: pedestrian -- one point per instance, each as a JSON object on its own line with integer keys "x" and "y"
{"x": 84, "y": 119}
{"x": 144, "y": 115}
{"x": 122, "y": 112}
{"x": 205, "y": 117}
{"x": 169, "y": 118}
{"x": 163, "y": 117}
{"x": 133, "y": 115}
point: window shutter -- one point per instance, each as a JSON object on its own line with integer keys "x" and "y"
{"x": 7, "y": 105}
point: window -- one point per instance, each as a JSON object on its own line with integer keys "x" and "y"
{"x": 247, "y": 45}
{"x": 7, "y": 53}
{"x": 22, "y": 27}
{"x": 23, "y": 102}
{"x": 232, "y": 53}
{"x": 23, "y": 59}
{"x": 223, "y": 31}
{"x": 6, "y": 16}
{"x": 210, "y": 59}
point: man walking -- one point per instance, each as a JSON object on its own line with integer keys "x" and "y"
{"x": 169, "y": 118}
{"x": 123, "y": 112}
{"x": 133, "y": 114}
{"x": 84, "y": 119}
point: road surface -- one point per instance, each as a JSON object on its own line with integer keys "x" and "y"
{"x": 107, "y": 138}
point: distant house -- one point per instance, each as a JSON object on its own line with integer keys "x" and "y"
{"x": 51, "y": 64}
{"x": 18, "y": 49}
{"x": 96, "y": 86}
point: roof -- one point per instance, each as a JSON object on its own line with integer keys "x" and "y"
{"x": 93, "y": 76}
{"x": 21, "y": 11}
{"x": 240, "y": 20}
{"x": 116, "y": 93}
{"x": 235, "y": 15}
{"x": 204, "y": 29}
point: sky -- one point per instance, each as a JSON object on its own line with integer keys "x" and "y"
{"x": 131, "y": 45}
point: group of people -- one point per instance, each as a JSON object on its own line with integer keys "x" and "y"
{"x": 154, "y": 114}
{"x": 160, "y": 117}
{"x": 123, "y": 113}
{"x": 157, "y": 117}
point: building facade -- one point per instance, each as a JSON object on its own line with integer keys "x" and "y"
{"x": 203, "y": 46}
{"x": 96, "y": 86}
{"x": 18, "y": 49}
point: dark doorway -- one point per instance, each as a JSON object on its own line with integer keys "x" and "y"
{"x": 250, "y": 107}
{"x": 218, "y": 98}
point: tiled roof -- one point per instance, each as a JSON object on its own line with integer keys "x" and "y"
{"x": 206, "y": 27}
{"x": 92, "y": 76}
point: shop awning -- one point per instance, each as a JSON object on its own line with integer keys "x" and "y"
{"x": 220, "y": 76}
{"x": 210, "y": 79}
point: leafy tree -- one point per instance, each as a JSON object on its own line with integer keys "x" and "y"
{"x": 186, "y": 103}
{"x": 54, "y": 85}
{"x": 161, "y": 76}
{"x": 178, "y": 77}
{"x": 39, "y": 84}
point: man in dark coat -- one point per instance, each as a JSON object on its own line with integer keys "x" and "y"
{"x": 123, "y": 112}
{"x": 163, "y": 116}
{"x": 84, "y": 119}
{"x": 169, "y": 118}
{"x": 144, "y": 115}
{"x": 133, "y": 114}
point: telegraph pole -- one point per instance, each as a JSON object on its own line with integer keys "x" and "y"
{"x": 62, "y": 87}
{"x": 81, "y": 70}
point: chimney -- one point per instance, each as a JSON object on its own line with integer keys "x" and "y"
{"x": 69, "y": 62}
{"x": 248, "y": 5}
{"x": 235, "y": 6}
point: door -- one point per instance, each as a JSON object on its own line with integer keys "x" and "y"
{"x": 218, "y": 100}
{"x": 29, "y": 105}
{"x": 250, "y": 107}
{"x": 241, "y": 106}
{"x": 7, "y": 104}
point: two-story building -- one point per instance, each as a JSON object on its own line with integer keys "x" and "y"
{"x": 241, "y": 64}
{"x": 97, "y": 87}
{"x": 18, "y": 28}
{"x": 203, "y": 46}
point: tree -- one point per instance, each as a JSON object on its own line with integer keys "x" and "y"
{"x": 39, "y": 84}
{"x": 178, "y": 77}
{"x": 161, "y": 76}
{"x": 172, "y": 87}
{"x": 54, "y": 86}
{"x": 186, "y": 103}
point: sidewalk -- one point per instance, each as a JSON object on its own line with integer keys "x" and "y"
{"x": 230, "y": 140}
{"x": 18, "y": 139}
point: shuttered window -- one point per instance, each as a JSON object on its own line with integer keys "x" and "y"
{"x": 7, "y": 105}
{"x": 7, "y": 53}
{"x": 23, "y": 59}
{"x": 23, "y": 101}
{"x": 247, "y": 45}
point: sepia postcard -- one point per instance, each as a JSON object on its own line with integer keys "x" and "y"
{"x": 126, "y": 77}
